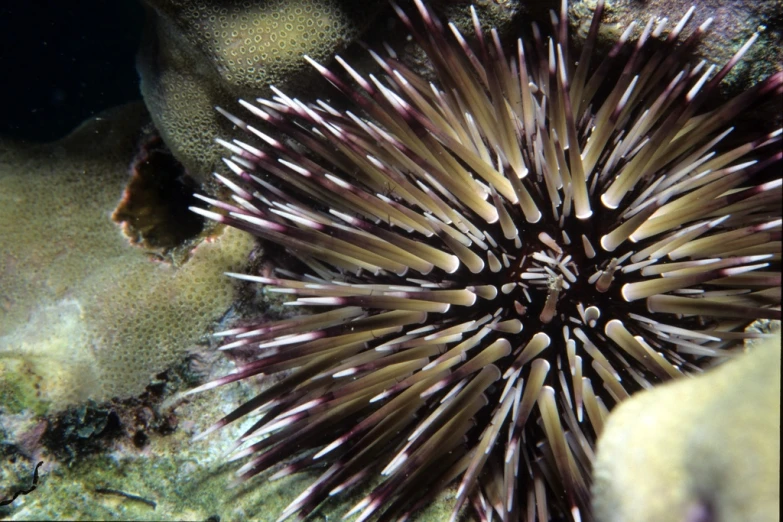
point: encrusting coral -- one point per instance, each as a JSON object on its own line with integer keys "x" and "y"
{"x": 86, "y": 315}
{"x": 198, "y": 54}
{"x": 702, "y": 449}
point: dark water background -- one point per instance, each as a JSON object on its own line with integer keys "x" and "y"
{"x": 62, "y": 61}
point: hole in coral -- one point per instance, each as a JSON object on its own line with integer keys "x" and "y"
{"x": 153, "y": 212}
{"x": 140, "y": 439}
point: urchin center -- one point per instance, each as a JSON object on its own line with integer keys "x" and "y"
{"x": 550, "y": 270}
{"x": 547, "y": 280}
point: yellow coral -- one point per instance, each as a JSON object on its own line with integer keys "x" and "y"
{"x": 695, "y": 447}
{"x": 198, "y": 54}
{"x": 84, "y": 313}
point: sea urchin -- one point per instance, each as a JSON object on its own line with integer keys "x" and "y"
{"x": 493, "y": 261}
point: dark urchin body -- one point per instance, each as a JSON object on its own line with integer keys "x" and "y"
{"x": 493, "y": 262}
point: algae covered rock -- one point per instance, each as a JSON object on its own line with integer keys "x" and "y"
{"x": 85, "y": 314}
{"x": 701, "y": 449}
{"x": 731, "y": 25}
{"x": 169, "y": 478}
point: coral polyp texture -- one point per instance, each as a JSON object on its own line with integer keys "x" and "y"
{"x": 83, "y": 313}
{"x": 491, "y": 261}
{"x": 721, "y": 435}
{"x": 197, "y": 54}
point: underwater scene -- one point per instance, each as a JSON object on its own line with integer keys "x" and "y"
{"x": 372, "y": 260}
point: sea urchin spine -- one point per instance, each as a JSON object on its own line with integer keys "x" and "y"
{"x": 498, "y": 253}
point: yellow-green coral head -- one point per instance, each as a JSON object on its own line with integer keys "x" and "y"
{"x": 698, "y": 450}
{"x": 200, "y": 53}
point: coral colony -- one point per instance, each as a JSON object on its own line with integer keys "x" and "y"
{"x": 491, "y": 261}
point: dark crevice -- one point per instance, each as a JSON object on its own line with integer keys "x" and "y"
{"x": 153, "y": 212}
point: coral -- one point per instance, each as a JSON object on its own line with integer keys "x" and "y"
{"x": 196, "y": 55}
{"x": 708, "y": 446}
{"x": 85, "y": 314}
